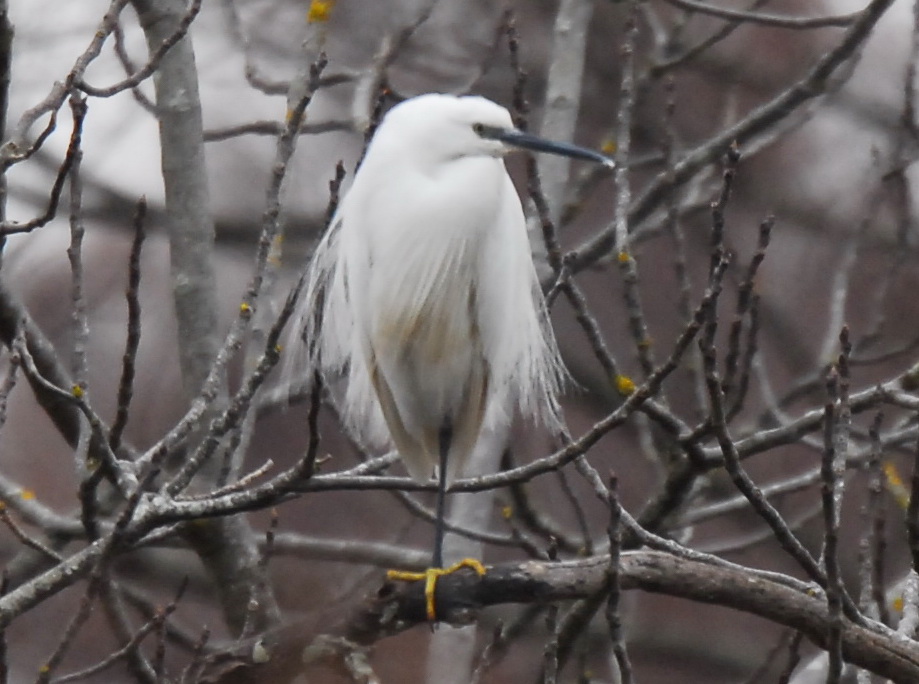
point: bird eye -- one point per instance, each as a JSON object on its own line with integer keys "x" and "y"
{"x": 478, "y": 128}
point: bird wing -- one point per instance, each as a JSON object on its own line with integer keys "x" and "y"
{"x": 517, "y": 334}
{"x": 414, "y": 454}
{"x": 330, "y": 334}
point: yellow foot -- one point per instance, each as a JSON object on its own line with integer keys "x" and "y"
{"x": 430, "y": 577}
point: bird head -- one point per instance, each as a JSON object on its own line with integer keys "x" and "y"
{"x": 439, "y": 128}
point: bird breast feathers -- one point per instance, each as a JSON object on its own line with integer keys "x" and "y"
{"x": 421, "y": 240}
{"x": 421, "y": 296}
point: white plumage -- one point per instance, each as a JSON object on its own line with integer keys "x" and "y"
{"x": 431, "y": 309}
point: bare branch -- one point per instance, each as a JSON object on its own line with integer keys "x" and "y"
{"x": 788, "y": 22}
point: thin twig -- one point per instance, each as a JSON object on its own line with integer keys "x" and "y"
{"x": 132, "y": 344}
{"x": 153, "y": 62}
{"x": 613, "y": 617}
{"x": 762, "y": 119}
{"x": 787, "y": 22}
{"x": 830, "y": 505}
{"x": 54, "y": 196}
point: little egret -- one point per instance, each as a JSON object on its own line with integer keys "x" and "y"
{"x": 423, "y": 296}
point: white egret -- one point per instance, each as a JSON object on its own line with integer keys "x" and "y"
{"x": 423, "y": 294}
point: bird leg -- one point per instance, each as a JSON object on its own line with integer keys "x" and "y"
{"x": 430, "y": 577}
{"x": 432, "y": 574}
{"x": 444, "y": 438}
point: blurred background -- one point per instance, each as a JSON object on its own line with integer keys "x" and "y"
{"x": 835, "y": 173}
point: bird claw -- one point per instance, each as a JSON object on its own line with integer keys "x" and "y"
{"x": 430, "y": 577}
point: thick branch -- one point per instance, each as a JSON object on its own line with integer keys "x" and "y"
{"x": 228, "y": 550}
{"x": 191, "y": 228}
{"x": 397, "y": 607}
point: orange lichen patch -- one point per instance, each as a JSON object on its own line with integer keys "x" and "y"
{"x": 320, "y": 10}
{"x": 895, "y": 484}
{"x": 625, "y": 385}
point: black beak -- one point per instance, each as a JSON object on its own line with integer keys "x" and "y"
{"x": 516, "y": 138}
